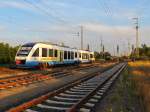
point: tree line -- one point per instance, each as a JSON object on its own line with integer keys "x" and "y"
{"x": 7, "y": 53}
{"x": 144, "y": 52}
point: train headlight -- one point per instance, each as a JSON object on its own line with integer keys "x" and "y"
{"x": 18, "y": 62}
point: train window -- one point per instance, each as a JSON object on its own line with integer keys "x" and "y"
{"x": 55, "y": 53}
{"x": 87, "y": 56}
{"x": 36, "y": 53}
{"x": 79, "y": 55}
{"x": 50, "y": 52}
{"x": 91, "y": 55}
{"x": 65, "y": 54}
{"x": 44, "y": 52}
{"x": 83, "y": 56}
{"x": 68, "y": 54}
{"x": 72, "y": 55}
{"x": 24, "y": 51}
{"x": 75, "y": 54}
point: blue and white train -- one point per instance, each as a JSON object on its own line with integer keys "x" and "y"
{"x": 33, "y": 55}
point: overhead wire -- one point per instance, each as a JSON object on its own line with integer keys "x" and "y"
{"x": 49, "y": 13}
{"x": 45, "y": 12}
{"x": 109, "y": 13}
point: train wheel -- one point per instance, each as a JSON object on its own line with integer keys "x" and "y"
{"x": 40, "y": 66}
{"x": 48, "y": 65}
{"x": 45, "y": 65}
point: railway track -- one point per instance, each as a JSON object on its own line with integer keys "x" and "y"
{"x": 27, "y": 79}
{"x": 79, "y": 96}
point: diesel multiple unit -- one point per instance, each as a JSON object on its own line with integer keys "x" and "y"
{"x": 36, "y": 54}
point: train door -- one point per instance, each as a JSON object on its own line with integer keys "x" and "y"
{"x": 61, "y": 56}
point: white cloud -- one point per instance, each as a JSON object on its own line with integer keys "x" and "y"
{"x": 21, "y": 5}
{"x": 13, "y": 4}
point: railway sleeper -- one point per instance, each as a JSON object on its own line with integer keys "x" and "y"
{"x": 79, "y": 90}
{"x": 84, "y": 110}
{"x": 75, "y": 92}
{"x": 67, "y": 99}
{"x": 84, "y": 87}
{"x": 52, "y": 107}
{"x": 65, "y": 104}
{"x": 59, "y": 102}
{"x": 71, "y": 95}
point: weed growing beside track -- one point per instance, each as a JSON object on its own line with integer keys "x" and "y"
{"x": 125, "y": 96}
{"x": 122, "y": 97}
{"x": 140, "y": 72}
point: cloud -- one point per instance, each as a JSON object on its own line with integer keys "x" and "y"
{"x": 20, "y": 5}
{"x": 12, "y": 4}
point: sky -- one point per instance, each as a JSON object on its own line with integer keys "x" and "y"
{"x": 59, "y": 21}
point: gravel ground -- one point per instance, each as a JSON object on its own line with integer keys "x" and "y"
{"x": 12, "y": 97}
{"x": 6, "y": 72}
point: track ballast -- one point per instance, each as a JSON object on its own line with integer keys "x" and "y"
{"x": 81, "y": 97}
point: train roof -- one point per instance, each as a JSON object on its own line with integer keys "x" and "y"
{"x": 28, "y": 45}
{"x": 49, "y": 43}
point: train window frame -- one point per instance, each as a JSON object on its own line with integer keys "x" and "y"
{"x": 50, "y": 51}
{"x": 65, "y": 55}
{"x": 34, "y": 54}
{"x": 69, "y": 55}
{"x": 56, "y": 53}
{"x": 44, "y": 54}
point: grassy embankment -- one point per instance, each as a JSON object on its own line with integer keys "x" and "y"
{"x": 131, "y": 93}
{"x": 140, "y": 72}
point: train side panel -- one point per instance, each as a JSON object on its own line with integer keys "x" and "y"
{"x": 47, "y": 54}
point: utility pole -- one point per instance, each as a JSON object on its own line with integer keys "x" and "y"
{"x": 118, "y": 50}
{"x": 88, "y": 47}
{"x": 81, "y": 37}
{"x": 114, "y": 50}
{"x": 129, "y": 50}
{"x": 137, "y": 36}
{"x": 103, "y": 52}
{"x": 101, "y": 44}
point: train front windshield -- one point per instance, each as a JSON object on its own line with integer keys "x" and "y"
{"x": 25, "y": 50}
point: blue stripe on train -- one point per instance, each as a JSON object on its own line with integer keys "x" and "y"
{"x": 51, "y": 63}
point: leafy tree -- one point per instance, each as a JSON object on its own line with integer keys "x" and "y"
{"x": 7, "y": 53}
{"x": 144, "y": 52}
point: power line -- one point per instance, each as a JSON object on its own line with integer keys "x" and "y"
{"x": 44, "y": 11}
{"x": 106, "y": 8}
{"x": 50, "y": 8}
